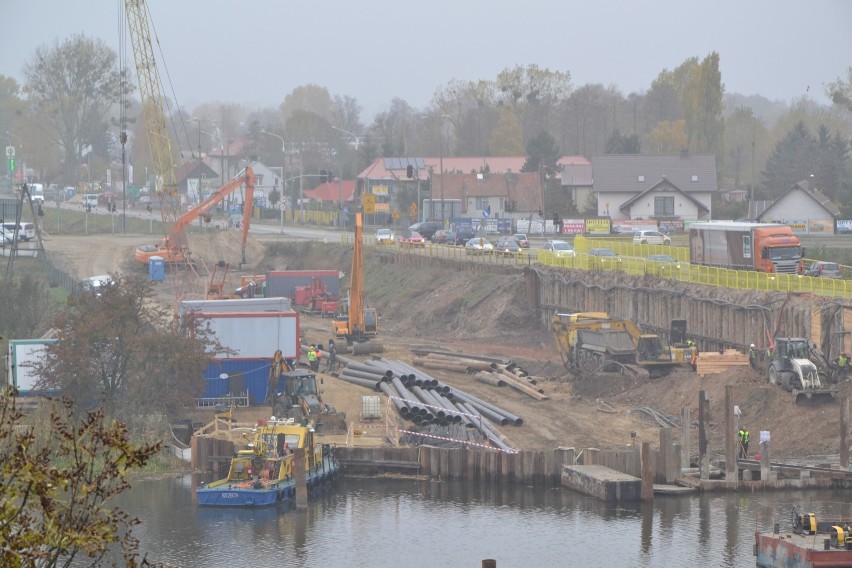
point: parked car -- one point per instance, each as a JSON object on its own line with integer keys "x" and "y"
{"x": 96, "y": 284}
{"x": 462, "y": 235}
{"x": 6, "y": 235}
{"x": 651, "y": 238}
{"x": 478, "y": 245}
{"x": 823, "y": 269}
{"x": 384, "y": 237}
{"x": 144, "y": 198}
{"x": 426, "y": 228}
{"x": 412, "y": 238}
{"x": 26, "y": 231}
{"x": 559, "y": 248}
{"x": 507, "y": 246}
{"x": 442, "y": 236}
{"x": 661, "y": 258}
{"x": 522, "y": 239}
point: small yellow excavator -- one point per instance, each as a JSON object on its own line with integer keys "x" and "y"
{"x": 299, "y": 397}
{"x": 590, "y": 342}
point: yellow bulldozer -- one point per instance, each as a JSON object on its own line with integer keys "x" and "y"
{"x": 592, "y": 342}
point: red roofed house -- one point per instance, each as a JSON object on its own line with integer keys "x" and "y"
{"x": 331, "y": 191}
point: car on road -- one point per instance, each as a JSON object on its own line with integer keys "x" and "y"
{"x": 144, "y": 199}
{"x": 107, "y": 197}
{"x": 384, "y": 237}
{"x": 651, "y": 238}
{"x": 603, "y": 252}
{"x": 463, "y": 234}
{"x": 412, "y": 239}
{"x": 6, "y": 236}
{"x": 661, "y": 258}
{"x": 559, "y": 248}
{"x": 522, "y": 239}
{"x": 426, "y": 228}
{"x": 507, "y": 246}
{"x": 823, "y": 269}
{"x": 442, "y": 237}
{"x": 478, "y": 245}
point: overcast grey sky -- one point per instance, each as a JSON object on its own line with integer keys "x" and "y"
{"x": 255, "y": 52}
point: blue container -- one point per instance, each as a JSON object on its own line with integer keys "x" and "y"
{"x": 157, "y": 268}
{"x": 250, "y": 374}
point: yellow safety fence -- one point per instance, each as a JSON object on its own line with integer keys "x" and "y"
{"x": 632, "y": 259}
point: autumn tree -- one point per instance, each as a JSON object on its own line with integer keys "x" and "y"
{"x": 121, "y": 347}
{"x": 743, "y": 133}
{"x": 668, "y": 137}
{"x": 840, "y": 91}
{"x": 57, "y": 485}
{"x": 702, "y": 105}
{"x": 73, "y": 87}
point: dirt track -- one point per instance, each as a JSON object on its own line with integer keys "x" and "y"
{"x": 485, "y": 314}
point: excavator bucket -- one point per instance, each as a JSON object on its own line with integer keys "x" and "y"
{"x": 816, "y": 396}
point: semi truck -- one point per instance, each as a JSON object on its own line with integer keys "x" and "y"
{"x": 737, "y": 245}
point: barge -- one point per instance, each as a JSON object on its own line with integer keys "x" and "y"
{"x": 264, "y": 474}
{"x": 810, "y": 544}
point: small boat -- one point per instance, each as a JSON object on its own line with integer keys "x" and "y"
{"x": 263, "y": 474}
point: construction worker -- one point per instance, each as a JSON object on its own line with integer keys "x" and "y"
{"x": 312, "y": 358}
{"x": 842, "y": 366}
{"x": 752, "y": 356}
{"x": 332, "y": 355}
{"x": 743, "y": 438}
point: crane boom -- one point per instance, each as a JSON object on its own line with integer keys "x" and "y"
{"x": 359, "y": 322}
{"x": 153, "y": 106}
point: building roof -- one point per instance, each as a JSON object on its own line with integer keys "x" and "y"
{"x": 575, "y": 175}
{"x": 664, "y": 185}
{"x": 395, "y": 168}
{"x": 193, "y": 169}
{"x": 330, "y": 191}
{"x": 813, "y": 193}
{"x": 524, "y": 189}
{"x": 636, "y": 173}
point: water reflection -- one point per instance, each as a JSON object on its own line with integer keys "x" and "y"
{"x": 381, "y": 522}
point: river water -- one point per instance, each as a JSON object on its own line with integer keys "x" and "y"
{"x": 387, "y": 522}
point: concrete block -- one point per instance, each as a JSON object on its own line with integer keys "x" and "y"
{"x": 602, "y": 483}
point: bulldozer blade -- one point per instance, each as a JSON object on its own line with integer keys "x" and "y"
{"x": 815, "y": 396}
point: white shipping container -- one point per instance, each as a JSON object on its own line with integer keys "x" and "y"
{"x": 236, "y": 305}
{"x": 256, "y": 335}
{"x": 22, "y": 353}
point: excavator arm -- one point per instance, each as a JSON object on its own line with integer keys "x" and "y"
{"x": 247, "y": 178}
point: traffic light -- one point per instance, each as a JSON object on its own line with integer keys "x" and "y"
{"x": 409, "y": 171}
{"x": 11, "y": 164}
{"x": 148, "y": 208}
{"x": 40, "y": 211}
{"x": 88, "y": 208}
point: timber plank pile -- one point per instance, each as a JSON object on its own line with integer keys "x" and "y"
{"x": 711, "y": 362}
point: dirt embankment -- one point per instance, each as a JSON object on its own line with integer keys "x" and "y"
{"x": 487, "y": 315}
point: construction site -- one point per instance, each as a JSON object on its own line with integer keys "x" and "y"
{"x": 506, "y": 312}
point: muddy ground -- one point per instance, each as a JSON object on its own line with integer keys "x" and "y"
{"x": 487, "y": 315}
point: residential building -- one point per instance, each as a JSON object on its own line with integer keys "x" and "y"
{"x": 806, "y": 209}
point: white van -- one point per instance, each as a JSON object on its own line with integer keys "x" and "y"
{"x": 36, "y": 191}
{"x": 26, "y": 231}
{"x": 95, "y": 284}
{"x": 90, "y": 199}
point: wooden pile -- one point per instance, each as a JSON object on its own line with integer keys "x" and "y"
{"x": 711, "y": 362}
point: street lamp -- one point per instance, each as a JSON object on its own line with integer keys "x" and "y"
{"x": 340, "y": 191}
{"x": 441, "y": 162}
{"x": 283, "y": 166}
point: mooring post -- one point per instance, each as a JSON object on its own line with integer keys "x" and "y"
{"x": 647, "y": 491}
{"x": 684, "y": 439}
{"x": 301, "y": 478}
{"x": 703, "y": 417}
{"x": 666, "y": 454}
{"x": 764, "y": 458}
{"x": 731, "y": 466}
{"x": 844, "y": 432}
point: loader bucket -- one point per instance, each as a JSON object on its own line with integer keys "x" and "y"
{"x": 816, "y": 396}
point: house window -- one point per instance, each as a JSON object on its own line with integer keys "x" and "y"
{"x": 481, "y": 203}
{"x": 664, "y": 206}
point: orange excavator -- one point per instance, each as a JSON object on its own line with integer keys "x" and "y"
{"x": 173, "y": 248}
{"x": 353, "y": 321}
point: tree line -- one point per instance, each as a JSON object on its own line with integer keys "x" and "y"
{"x": 74, "y": 105}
